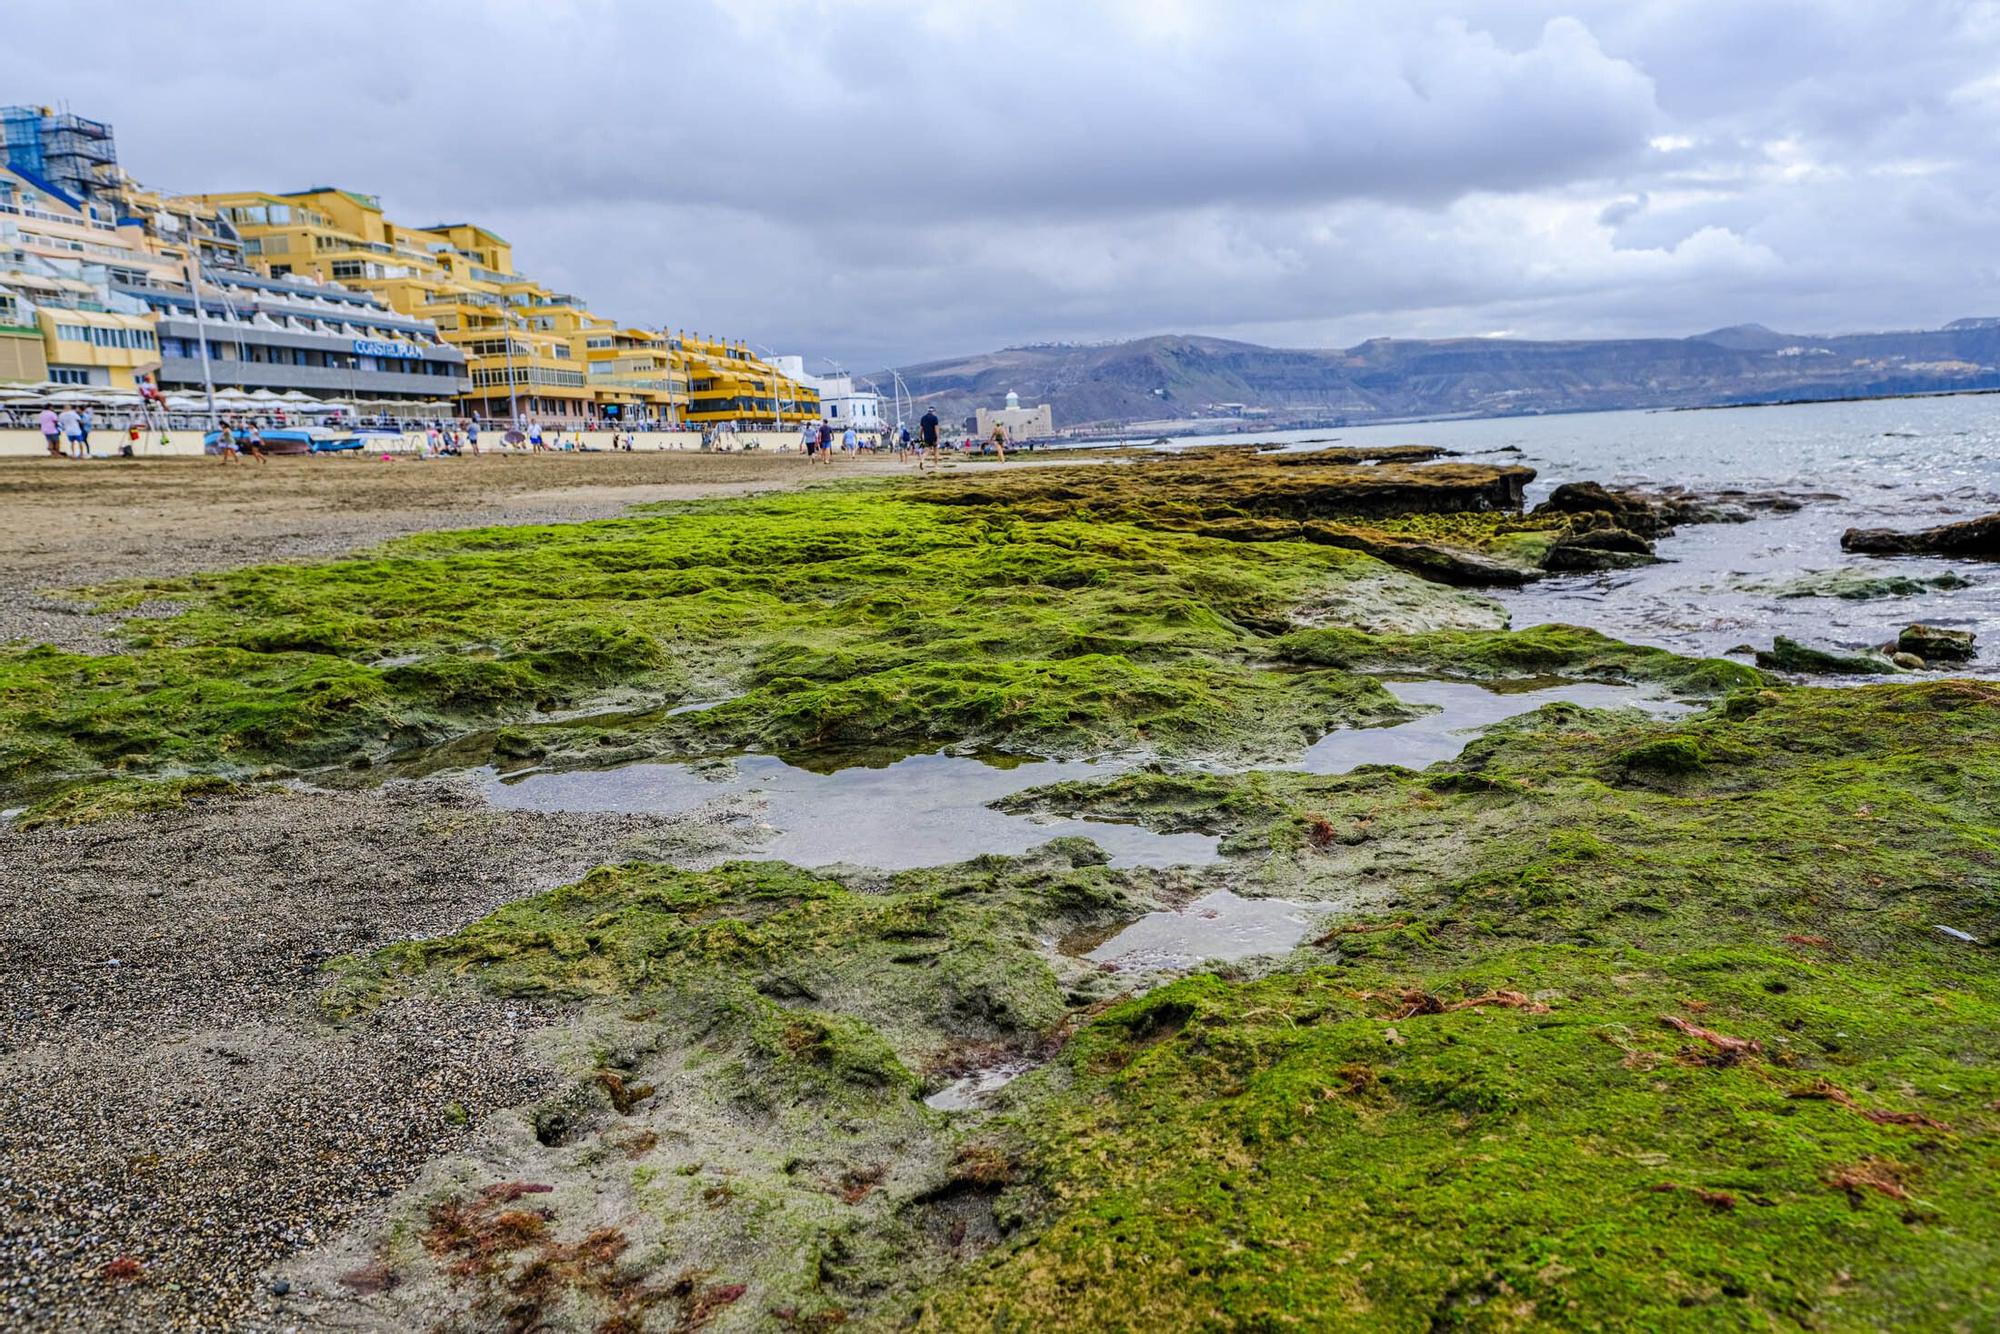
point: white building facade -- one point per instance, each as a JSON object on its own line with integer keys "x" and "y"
{"x": 1036, "y": 423}
{"x": 841, "y": 405}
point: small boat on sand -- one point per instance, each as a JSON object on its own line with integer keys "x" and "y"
{"x": 295, "y": 440}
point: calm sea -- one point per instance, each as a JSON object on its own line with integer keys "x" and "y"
{"x": 1902, "y": 463}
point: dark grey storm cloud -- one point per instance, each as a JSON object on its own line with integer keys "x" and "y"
{"x": 888, "y": 180}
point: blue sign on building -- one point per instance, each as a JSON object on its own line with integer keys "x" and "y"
{"x": 368, "y": 347}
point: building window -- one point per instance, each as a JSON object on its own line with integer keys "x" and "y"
{"x": 68, "y": 375}
{"x": 347, "y": 268}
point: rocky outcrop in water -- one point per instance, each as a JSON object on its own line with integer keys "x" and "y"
{"x": 1590, "y": 505}
{"x": 1934, "y": 643}
{"x": 1972, "y": 537}
{"x": 1599, "y": 549}
{"x": 1857, "y": 585}
{"x": 1432, "y": 560}
{"x": 1789, "y": 655}
{"x": 1351, "y": 454}
{"x": 1611, "y": 530}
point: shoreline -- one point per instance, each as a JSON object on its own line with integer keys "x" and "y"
{"x": 1114, "y": 438}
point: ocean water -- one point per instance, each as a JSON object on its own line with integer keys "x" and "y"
{"x": 1895, "y": 463}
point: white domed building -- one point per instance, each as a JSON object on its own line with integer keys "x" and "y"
{"x": 1023, "y": 424}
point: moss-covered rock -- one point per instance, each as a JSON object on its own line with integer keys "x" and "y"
{"x": 1789, "y": 655}
{"x": 1936, "y": 643}
{"x": 1598, "y": 1055}
{"x": 1544, "y": 650}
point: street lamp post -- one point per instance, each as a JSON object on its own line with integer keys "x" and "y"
{"x": 902, "y": 392}
{"x": 771, "y": 360}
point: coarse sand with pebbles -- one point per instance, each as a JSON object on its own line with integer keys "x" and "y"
{"x": 175, "y": 1115}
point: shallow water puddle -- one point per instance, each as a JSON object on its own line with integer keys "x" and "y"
{"x": 971, "y": 1092}
{"x": 921, "y": 810}
{"x": 1220, "y": 925}
{"x": 1464, "y": 708}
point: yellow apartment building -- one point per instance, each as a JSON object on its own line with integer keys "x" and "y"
{"x": 59, "y": 259}
{"x": 729, "y": 384}
{"x": 532, "y": 353}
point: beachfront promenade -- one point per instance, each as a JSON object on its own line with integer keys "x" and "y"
{"x": 24, "y": 443}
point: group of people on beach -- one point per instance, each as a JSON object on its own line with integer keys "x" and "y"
{"x": 67, "y": 432}
{"x": 818, "y": 441}
{"x": 235, "y": 439}
{"x": 452, "y": 439}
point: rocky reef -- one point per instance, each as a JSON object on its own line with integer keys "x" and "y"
{"x": 1973, "y": 537}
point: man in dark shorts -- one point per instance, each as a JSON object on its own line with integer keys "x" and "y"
{"x": 928, "y": 427}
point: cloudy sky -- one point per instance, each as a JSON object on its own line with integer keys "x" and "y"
{"x": 895, "y": 180}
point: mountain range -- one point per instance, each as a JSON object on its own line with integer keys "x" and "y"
{"x": 1173, "y": 377}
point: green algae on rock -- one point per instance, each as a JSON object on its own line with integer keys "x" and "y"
{"x": 1858, "y": 585}
{"x": 749, "y": 1049}
{"x": 835, "y": 614}
{"x": 1789, "y": 655}
{"x": 118, "y": 797}
{"x": 1544, "y": 650}
{"x": 1620, "y": 1052}
{"x": 1632, "y": 1023}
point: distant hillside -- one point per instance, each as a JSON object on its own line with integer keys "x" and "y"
{"x": 1176, "y": 377}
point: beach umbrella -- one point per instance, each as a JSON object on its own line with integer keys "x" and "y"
{"x": 294, "y": 396}
{"x": 263, "y": 396}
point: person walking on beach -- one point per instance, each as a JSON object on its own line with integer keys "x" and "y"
{"x": 535, "y": 437}
{"x": 849, "y": 442}
{"x": 52, "y": 432}
{"x": 72, "y": 430}
{"x": 86, "y": 422}
{"x": 225, "y": 444}
{"x": 1000, "y": 440}
{"x": 253, "y": 443}
{"x": 825, "y": 443}
{"x": 928, "y": 429}
{"x": 902, "y": 444}
{"x": 472, "y": 436}
{"x": 808, "y": 438}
